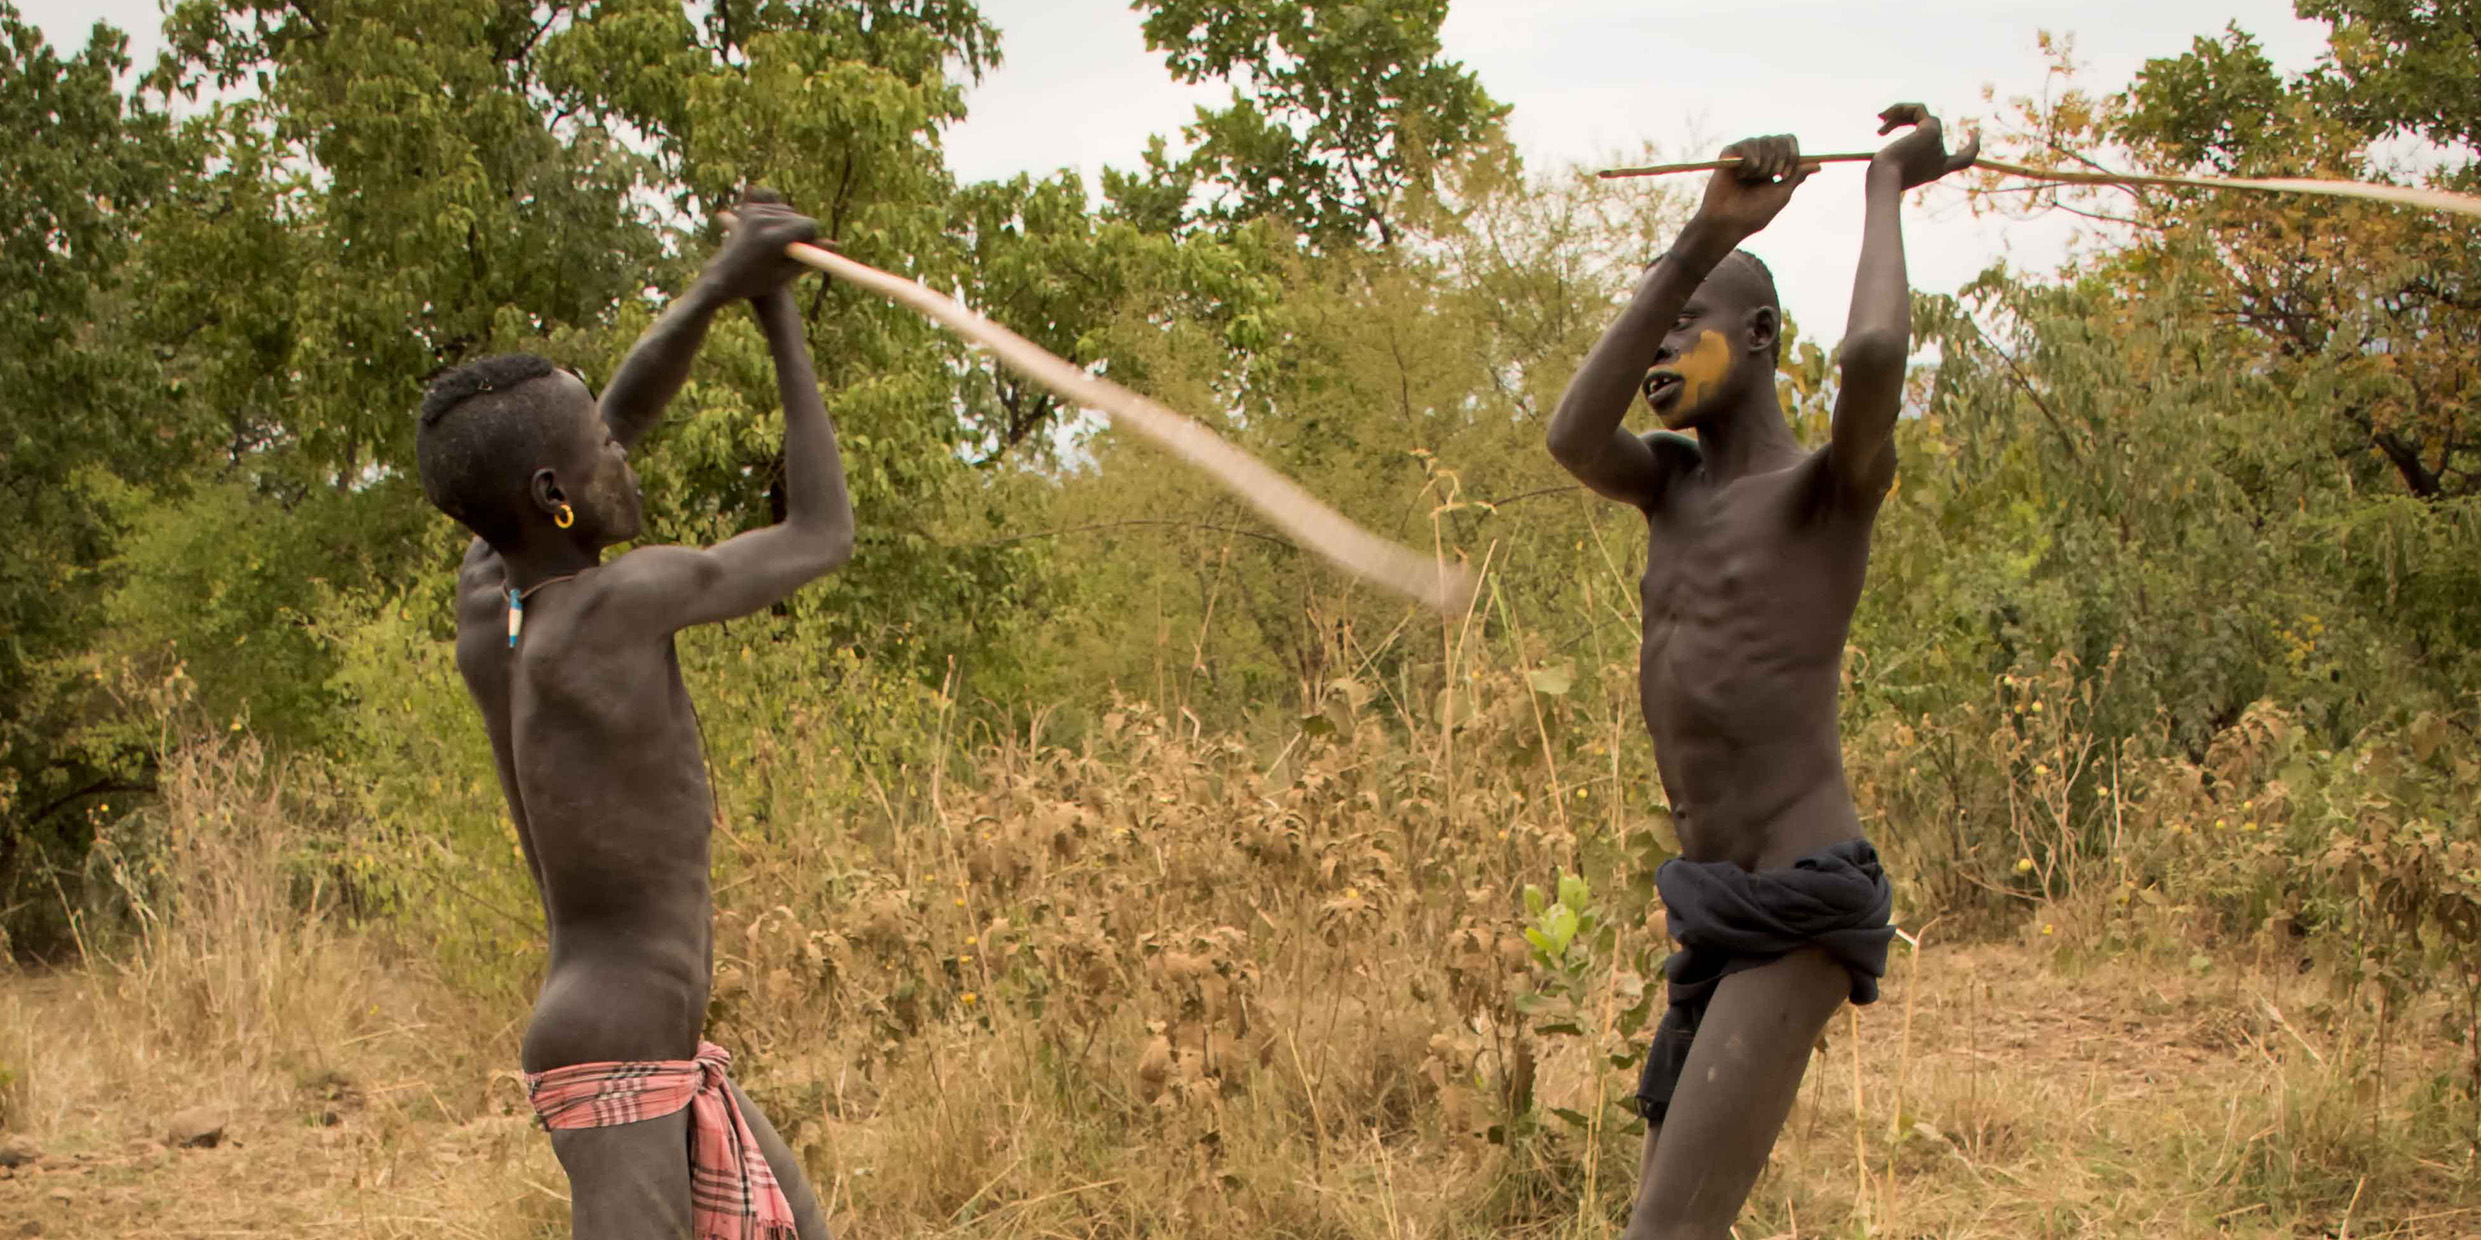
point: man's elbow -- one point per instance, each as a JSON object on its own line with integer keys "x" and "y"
{"x": 1569, "y": 447}
{"x": 817, "y": 546}
{"x": 834, "y": 548}
{"x": 1875, "y": 353}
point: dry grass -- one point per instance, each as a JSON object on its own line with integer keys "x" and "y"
{"x": 1145, "y": 987}
{"x": 2123, "y": 1100}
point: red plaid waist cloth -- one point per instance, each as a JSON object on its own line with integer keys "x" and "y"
{"x": 733, "y": 1192}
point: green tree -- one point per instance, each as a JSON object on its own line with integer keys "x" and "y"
{"x": 454, "y": 177}
{"x": 365, "y": 194}
{"x": 82, "y": 402}
{"x": 1080, "y": 282}
{"x": 2402, "y": 66}
{"x": 2376, "y": 308}
{"x": 2368, "y": 318}
{"x": 1339, "y": 109}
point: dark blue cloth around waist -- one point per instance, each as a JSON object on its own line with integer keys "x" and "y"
{"x": 1727, "y": 919}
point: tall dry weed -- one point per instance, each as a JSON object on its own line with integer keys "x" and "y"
{"x": 221, "y": 974}
{"x": 1140, "y": 975}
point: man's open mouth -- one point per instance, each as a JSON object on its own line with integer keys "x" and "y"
{"x": 1660, "y": 386}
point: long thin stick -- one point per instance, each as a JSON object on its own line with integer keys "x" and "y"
{"x": 1732, "y": 161}
{"x": 2400, "y": 195}
{"x": 1860, "y": 1146}
{"x": 1442, "y": 586}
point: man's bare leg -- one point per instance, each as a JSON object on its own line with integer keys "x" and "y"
{"x": 1743, "y": 1072}
{"x": 629, "y": 1180}
{"x": 1642, "y": 1210}
{"x": 632, "y": 1180}
{"x": 787, "y": 1167}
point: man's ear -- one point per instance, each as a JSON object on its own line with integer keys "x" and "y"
{"x": 544, "y": 487}
{"x": 1764, "y": 326}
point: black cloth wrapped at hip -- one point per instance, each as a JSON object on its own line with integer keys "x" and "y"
{"x": 1727, "y": 919}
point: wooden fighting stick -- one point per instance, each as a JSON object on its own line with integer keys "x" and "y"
{"x": 2400, "y": 195}
{"x": 1445, "y": 587}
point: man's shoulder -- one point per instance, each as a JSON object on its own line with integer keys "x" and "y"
{"x": 640, "y": 587}
{"x": 1674, "y": 450}
{"x": 481, "y": 579}
{"x": 1817, "y": 482}
{"x": 1677, "y": 461}
{"x": 481, "y": 562}
{"x": 640, "y": 568}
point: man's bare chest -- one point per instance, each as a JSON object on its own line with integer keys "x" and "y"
{"x": 1759, "y": 563}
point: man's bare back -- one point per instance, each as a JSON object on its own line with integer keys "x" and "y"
{"x": 571, "y": 663}
{"x": 618, "y": 844}
{"x": 1756, "y": 551}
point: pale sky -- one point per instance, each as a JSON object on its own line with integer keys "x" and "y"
{"x": 1591, "y": 79}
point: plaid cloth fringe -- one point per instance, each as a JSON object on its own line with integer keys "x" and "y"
{"x": 733, "y": 1192}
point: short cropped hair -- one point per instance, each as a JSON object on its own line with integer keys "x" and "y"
{"x": 485, "y": 430}
{"x": 1761, "y": 282}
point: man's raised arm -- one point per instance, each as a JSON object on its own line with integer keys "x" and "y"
{"x": 1588, "y": 431}
{"x": 658, "y": 364}
{"x": 1878, "y": 332}
{"x": 676, "y": 587}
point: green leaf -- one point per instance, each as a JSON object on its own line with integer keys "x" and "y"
{"x": 1553, "y": 680}
{"x": 1559, "y": 923}
{"x": 1572, "y": 892}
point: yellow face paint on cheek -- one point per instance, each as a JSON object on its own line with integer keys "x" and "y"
{"x": 1704, "y": 367}
{"x": 1703, "y": 370}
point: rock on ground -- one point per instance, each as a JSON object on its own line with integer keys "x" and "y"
{"x": 195, "y": 1128}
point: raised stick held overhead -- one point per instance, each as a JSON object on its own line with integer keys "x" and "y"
{"x": 1425, "y": 578}
{"x": 2400, "y": 195}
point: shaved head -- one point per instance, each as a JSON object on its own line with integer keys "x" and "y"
{"x": 487, "y": 426}
{"x": 1743, "y": 279}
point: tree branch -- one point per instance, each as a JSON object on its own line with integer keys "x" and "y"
{"x": 2014, "y": 371}
{"x": 2407, "y": 460}
{"x": 101, "y": 787}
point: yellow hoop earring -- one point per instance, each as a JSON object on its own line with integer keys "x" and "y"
{"x": 567, "y": 517}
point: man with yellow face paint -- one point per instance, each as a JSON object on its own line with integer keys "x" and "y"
{"x": 1757, "y": 546}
